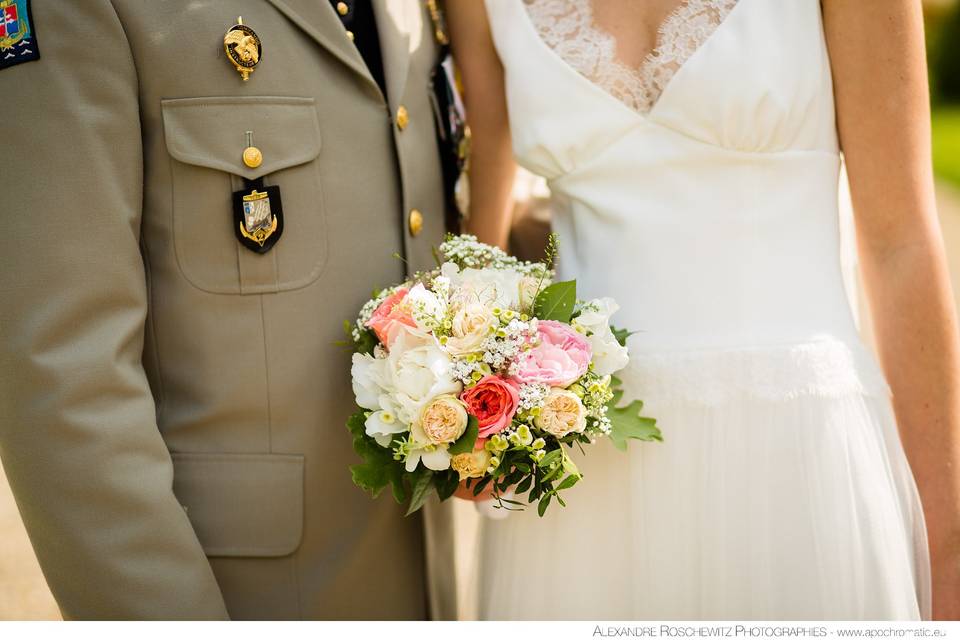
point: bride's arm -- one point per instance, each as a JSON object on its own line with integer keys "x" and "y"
{"x": 492, "y": 168}
{"x": 883, "y": 117}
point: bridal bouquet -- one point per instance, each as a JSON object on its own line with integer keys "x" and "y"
{"x": 486, "y": 371}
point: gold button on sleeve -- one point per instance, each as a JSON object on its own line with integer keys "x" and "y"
{"x": 416, "y": 222}
{"x": 403, "y": 118}
{"x": 342, "y": 8}
{"x": 350, "y": 36}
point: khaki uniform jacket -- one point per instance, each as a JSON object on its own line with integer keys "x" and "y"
{"x": 172, "y": 404}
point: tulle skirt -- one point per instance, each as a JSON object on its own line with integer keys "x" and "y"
{"x": 793, "y": 504}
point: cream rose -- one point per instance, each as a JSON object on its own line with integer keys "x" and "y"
{"x": 527, "y": 292}
{"x": 444, "y": 420}
{"x": 471, "y": 465}
{"x": 471, "y": 326}
{"x": 562, "y": 413}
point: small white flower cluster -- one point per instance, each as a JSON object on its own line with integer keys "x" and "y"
{"x": 468, "y": 252}
{"x": 532, "y": 396}
{"x": 505, "y": 345}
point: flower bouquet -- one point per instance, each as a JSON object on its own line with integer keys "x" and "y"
{"x": 487, "y": 372}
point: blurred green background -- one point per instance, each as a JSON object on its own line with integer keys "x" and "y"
{"x": 943, "y": 53}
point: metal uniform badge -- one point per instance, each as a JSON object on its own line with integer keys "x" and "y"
{"x": 243, "y": 48}
{"x": 18, "y": 40}
{"x": 258, "y": 216}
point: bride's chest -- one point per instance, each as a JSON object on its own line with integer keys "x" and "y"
{"x": 740, "y": 75}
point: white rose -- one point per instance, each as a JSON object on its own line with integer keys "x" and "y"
{"x": 609, "y": 356}
{"x": 471, "y": 324}
{"x": 415, "y": 371}
{"x": 494, "y": 287}
{"x": 562, "y": 412}
{"x": 527, "y": 290}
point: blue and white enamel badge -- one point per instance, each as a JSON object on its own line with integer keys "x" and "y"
{"x": 18, "y": 40}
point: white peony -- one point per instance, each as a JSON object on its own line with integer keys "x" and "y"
{"x": 609, "y": 356}
{"x": 416, "y": 371}
{"x": 366, "y": 374}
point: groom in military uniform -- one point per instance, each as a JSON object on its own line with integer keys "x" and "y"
{"x": 193, "y": 202}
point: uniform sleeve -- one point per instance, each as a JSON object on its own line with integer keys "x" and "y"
{"x": 78, "y": 433}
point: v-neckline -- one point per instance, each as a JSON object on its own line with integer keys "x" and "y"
{"x": 648, "y": 116}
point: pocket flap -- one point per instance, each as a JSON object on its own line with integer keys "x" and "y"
{"x": 242, "y": 504}
{"x": 211, "y": 132}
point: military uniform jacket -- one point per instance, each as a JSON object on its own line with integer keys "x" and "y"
{"x": 172, "y": 404}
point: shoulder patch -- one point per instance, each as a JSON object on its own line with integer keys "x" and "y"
{"x": 18, "y": 38}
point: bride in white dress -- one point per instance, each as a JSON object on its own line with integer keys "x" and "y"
{"x": 694, "y": 172}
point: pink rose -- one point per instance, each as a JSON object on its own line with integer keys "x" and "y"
{"x": 390, "y": 317}
{"x": 493, "y": 401}
{"x": 561, "y": 358}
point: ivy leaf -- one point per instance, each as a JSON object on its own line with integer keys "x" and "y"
{"x": 627, "y": 423}
{"x": 467, "y": 441}
{"x": 378, "y": 467}
{"x": 422, "y": 484}
{"x": 556, "y": 302}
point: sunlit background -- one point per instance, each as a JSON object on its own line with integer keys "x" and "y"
{"x": 23, "y": 591}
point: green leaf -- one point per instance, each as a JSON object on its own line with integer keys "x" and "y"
{"x": 627, "y": 423}
{"x": 378, "y": 467}
{"x": 446, "y": 483}
{"x": 568, "y": 482}
{"x": 622, "y": 334}
{"x": 422, "y": 484}
{"x": 543, "y": 504}
{"x": 467, "y": 441}
{"x": 556, "y": 302}
{"x": 524, "y": 486}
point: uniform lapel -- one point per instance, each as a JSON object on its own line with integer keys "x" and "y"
{"x": 393, "y": 25}
{"x": 318, "y": 20}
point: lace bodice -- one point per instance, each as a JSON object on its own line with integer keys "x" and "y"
{"x": 568, "y": 27}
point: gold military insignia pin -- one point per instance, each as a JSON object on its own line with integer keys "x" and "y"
{"x": 258, "y": 216}
{"x": 243, "y": 48}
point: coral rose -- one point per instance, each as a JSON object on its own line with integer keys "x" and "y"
{"x": 494, "y": 402}
{"x": 390, "y": 317}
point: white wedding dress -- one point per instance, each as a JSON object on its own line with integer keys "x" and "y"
{"x": 700, "y": 191}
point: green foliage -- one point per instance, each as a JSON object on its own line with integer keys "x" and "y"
{"x": 422, "y": 484}
{"x": 945, "y": 58}
{"x": 378, "y": 468}
{"x": 467, "y": 441}
{"x": 946, "y": 143}
{"x": 622, "y": 335}
{"x": 627, "y": 423}
{"x": 556, "y": 302}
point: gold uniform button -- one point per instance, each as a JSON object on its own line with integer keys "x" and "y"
{"x": 252, "y": 157}
{"x": 416, "y": 222}
{"x": 342, "y": 8}
{"x": 403, "y": 118}
{"x": 350, "y": 36}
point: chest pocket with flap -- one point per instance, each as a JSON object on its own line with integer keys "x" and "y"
{"x": 206, "y": 138}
